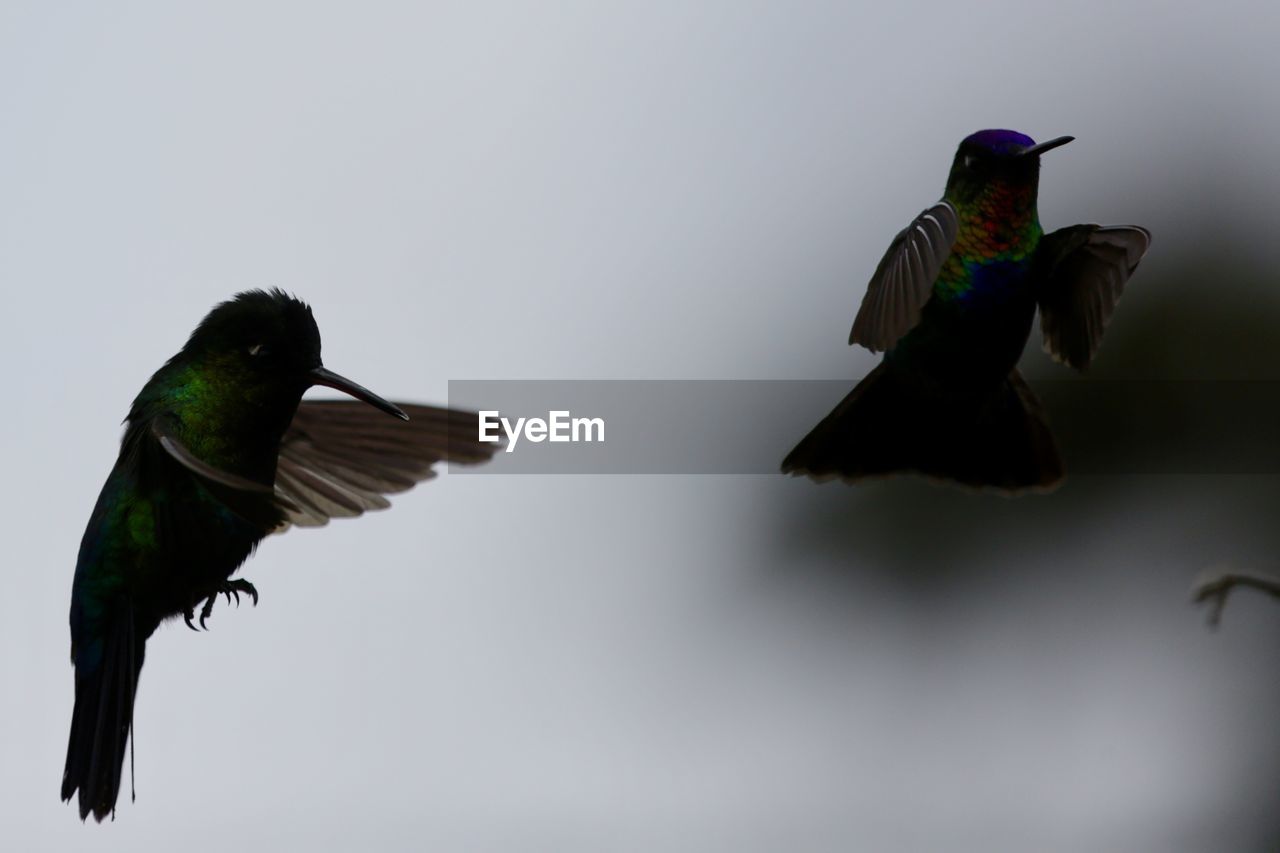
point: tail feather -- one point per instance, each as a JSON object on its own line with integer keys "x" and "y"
{"x": 888, "y": 424}
{"x": 102, "y": 720}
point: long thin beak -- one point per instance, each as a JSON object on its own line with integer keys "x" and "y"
{"x": 1037, "y": 150}
{"x": 325, "y": 376}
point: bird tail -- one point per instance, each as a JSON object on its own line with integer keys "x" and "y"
{"x": 102, "y": 720}
{"x": 995, "y": 439}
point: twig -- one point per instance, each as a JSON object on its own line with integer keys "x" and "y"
{"x": 1213, "y": 587}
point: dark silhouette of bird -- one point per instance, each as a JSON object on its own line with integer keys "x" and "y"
{"x": 951, "y": 306}
{"x": 219, "y": 451}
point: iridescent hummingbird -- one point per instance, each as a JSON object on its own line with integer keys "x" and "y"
{"x": 219, "y": 451}
{"x": 951, "y": 306}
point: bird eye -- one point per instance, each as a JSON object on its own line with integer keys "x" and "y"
{"x": 969, "y": 160}
{"x": 259, "y": 349}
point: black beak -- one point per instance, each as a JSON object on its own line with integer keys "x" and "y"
{"x": 1037, "y": 150}
{"x": 326, "y": 377}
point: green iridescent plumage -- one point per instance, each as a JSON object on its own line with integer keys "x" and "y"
{"x": 999, "y": 226}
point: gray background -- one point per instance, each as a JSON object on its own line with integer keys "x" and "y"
{"x": 642, "y": 190}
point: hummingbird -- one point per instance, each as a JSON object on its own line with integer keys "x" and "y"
{"x": 219, "y": 450}
{"x": 951, "y": 305}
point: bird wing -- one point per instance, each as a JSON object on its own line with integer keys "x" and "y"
{"x": 339, "y": 458}
{"x": 903, "y": 281}
{"x": 250, "y": 499}
{"x": 1082, "y": 271}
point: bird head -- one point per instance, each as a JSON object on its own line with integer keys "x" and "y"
{"x": 263, "y": 347}
{"x": 990, "y": 156}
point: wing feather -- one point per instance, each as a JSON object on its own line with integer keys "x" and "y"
{"x": 339, "y": 458}
{"x": 903, "y": 280}
{"x": 1081, "y": 274}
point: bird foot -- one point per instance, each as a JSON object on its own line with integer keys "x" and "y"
{"x": 1212, "y": 588}
{"x": 228, "y": 588}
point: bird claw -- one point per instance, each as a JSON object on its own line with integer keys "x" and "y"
{"x": 240, "y": 585}
{"x": 228, "y": 588}
{"x": 207, "y": 610}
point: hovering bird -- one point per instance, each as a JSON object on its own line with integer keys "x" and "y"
{"x": 951, "y": 306}
{"x": 219, "y": 451}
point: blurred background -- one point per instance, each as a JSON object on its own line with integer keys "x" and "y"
{"x": 656, "y": 190}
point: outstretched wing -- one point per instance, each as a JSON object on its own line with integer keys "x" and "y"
{"x": 340, "y": 458}
{"x": 1082, "y": 271}
{"x": 904, "y": 279}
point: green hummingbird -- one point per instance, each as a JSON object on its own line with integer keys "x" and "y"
{"x": 951, "y": 305}
{"x": 219, "y": 450}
